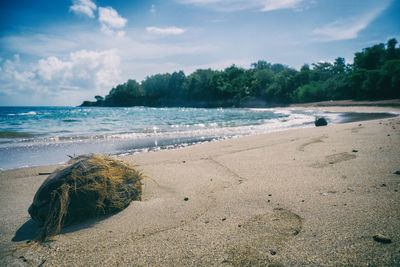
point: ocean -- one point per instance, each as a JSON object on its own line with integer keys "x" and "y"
{"x": 33, "y": 136}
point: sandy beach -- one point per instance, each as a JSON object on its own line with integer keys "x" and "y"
{"x": 313, "y": 196}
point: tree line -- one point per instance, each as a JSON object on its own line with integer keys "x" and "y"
{"x": 374, "y": 74}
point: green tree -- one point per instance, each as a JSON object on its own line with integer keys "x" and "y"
{"x": 283, "y": 88}
{"x": 278, "y": 68}
{"x": 390, "y": 82}
{"x": 375, "y": 74}
{"x": 127, "y": 94}
{"x": 261, "y": 65}
{"x": 391, "y": 51}
{"x": 339, "y": 67}
{"x": 263, "y": 78}
{"x": 370, "y": 58}
{"x": 177, "y": 86}
{"x": 322, "y": 71}
{"x": 157, "y": 89}
{"x": 199, "y": 85}
{"x": 310, "y": 92}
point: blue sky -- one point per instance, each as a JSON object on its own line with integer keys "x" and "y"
{"x": 66, "y": 51}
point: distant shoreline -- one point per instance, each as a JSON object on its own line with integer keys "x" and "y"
{"x": 350, "y": 103}
{"x": 339, "y": 103}
{"x": 262, "y": 104}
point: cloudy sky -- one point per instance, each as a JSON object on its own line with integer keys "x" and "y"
{"x": 63, "y": 52}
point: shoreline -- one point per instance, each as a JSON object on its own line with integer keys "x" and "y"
{"x": 125, "y": 146}
{"x": 306, "y": 196}
{"x": 348, "y": 117}
{"x": 391, "y": 103}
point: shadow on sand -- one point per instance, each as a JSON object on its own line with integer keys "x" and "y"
{"x": 28, "y": 231}
{"x": 31, "y": 229}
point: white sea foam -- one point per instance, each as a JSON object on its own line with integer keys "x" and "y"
{"x": 27, "y": 113}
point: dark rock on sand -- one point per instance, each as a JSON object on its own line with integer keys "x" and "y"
{"x": 320, "y": 122}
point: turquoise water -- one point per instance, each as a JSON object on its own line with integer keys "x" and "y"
{"x": 31, "y": 136}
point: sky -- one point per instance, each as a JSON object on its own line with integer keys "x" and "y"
{"x": 66, "y": 51}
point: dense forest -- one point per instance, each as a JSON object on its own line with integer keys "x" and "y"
{"x": 374, "y": 74}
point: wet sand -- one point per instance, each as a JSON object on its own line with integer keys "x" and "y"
{"x": 299, "y": 197}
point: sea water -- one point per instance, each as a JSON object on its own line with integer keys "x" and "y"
{"x": 31, "y": 136}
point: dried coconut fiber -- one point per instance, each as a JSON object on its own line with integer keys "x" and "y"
{"x": 89, "y": 186}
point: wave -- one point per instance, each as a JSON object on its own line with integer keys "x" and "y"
{"x": 11, "y": 134}
{"x": 198, "y": 131}
{"x": 71, "y": 120}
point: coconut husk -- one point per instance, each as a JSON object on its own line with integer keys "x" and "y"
{"x": 88, "y": 187}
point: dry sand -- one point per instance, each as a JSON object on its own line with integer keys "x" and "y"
{"x": 313, "y": 196}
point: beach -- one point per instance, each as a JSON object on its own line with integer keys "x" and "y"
{"x": 312, "y": 196}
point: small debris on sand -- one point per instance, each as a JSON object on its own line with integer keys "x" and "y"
{"x": 382, "y": 238}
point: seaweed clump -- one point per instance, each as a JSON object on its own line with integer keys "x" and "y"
{"x": 88, "y": 187}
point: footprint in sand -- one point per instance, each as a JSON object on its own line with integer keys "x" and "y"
{"x": 258, "y": 240}
{"x": 333, "y": 159}
{"x": 356, "y": 129}
{"x": 312, "y": 141}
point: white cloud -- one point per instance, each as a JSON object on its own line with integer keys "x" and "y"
{"x": 110, "y": 20}
{"x": 82, "y": 69}
{"x": 280, "y": 4}
{"x": 165, "y": 31}
{"x": 153, "y": 9}
{"x": 139, "y": 47}
{"x": 349, "y": 28}
{"x": 235, "y": 5}
{"x": 10, "y": 72}
{"x": 51, "y": 68}
{"x": 201, "y": 1}
{"x": 82, "y": 73}
{"x": 108, "y": 17}
{"x": 85, "y": 7}
{"x": 39, "y": 45}
{"x": 121, "y": 33}
{"x": 226, "y": 5}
